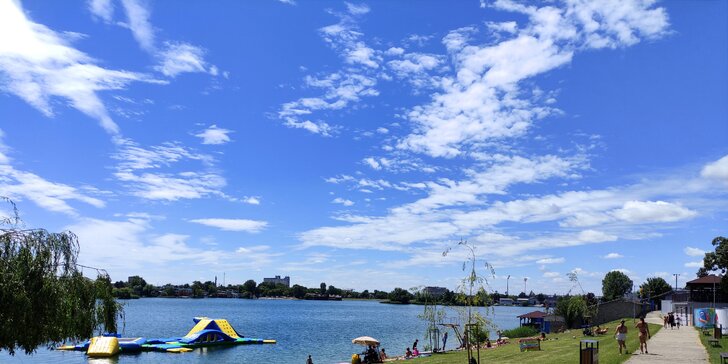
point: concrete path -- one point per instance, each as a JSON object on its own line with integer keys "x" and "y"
{"x": 671, "y": 346}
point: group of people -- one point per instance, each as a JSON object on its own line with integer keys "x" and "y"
{"x": 414, "y": 352}
{"x": 371, "y": 355}
{"x": 671, "y": 319}
{"x": 644, "y": 334}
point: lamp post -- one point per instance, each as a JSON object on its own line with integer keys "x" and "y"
{"x": 507, "y": 279}
{"x": 676, "y": 275}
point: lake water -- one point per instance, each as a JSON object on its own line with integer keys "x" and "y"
{"x": 323, "y": 329}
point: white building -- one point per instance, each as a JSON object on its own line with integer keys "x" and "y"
{"x": 286, "y": 281}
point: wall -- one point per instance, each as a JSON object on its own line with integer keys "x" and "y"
{"x": 611, "y": 311}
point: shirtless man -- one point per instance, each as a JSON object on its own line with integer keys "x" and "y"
{"x": 644, "y": 335}
{"x": 621, "y": 337}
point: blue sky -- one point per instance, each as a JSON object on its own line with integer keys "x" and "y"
{"x": 354, "y": 142}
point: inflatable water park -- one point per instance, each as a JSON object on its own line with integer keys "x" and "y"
{"x": 207, "y": 332}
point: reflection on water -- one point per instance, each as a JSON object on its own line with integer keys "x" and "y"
{"x": 320, "y": 328}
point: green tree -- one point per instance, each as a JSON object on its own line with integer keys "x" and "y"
{"x": 400, "y": 295}
{"x": 250, "y": 286}
{"x": 615, "y": 285}
{"x": 323, "y": 288}
{"x": 717, "y": 261}
{"x": 572, "y": 309}
{"x": 333, "y": 291}
{"x": 654, "y": 287}
{"x": 298, "y": 291}
{"x": 44, "y": 297}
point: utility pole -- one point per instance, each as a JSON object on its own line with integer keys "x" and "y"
{"x": 524, "y": 285}
{"x": 507, "y": 279}
{"x": 676, "y": 275}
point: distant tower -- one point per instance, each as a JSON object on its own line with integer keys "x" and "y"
{"x": 215, "y": 281}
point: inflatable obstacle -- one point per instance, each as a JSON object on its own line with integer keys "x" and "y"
{"x": 206, "y": 332}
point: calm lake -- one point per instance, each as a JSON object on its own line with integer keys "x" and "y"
{"x": 321, "y": 328}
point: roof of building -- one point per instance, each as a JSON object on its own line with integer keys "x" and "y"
{"x": 709, "y": 279}
{"x": 534, "y": 314}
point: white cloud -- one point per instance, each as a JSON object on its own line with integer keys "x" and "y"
{"x": 613, "y": 256}
{"x": 551, "y": 274}
{"x": 252, "y": 200}
{"x": 551, "y": 261}
{"x": 139, "y": 170}
{"x": 394, "y": 51}
{"x": 371, "y": 162}
{"x": 653, "y": 211}
{"x": 289, "y": 2}
{"x": 697, "y": 264}
{"x": 52, "y": 196}
{"x": 343, "y": 201}
{"x": 340, "y": 89}
{"x": 251, "y": 226}
{"x": 137, "y": 15}
{"x": 382, "y": 130}
{"x": 716, "y": 170}
{"x": 694, "y": 252}
{"x": 483, "y": 100}
{"x": 357, "y": 9}
{"x": 104, "y": 9}
{"x": 178, "y": 58}
{"x": 39, "y": 64}
{"x": 121, "y": 246}
{"x": 214, "y": 135}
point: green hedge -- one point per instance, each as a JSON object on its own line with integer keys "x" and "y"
{"x": 523, "y": 331}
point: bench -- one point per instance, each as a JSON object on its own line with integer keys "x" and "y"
{"x": 531, "y": 343}
{"x": 713, "y": 342}
{"x": 723, "y": 357}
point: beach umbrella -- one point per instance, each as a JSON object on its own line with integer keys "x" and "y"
{"x": 365, "y": 340}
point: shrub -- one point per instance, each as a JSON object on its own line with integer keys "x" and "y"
{"x": 523, "y": 331}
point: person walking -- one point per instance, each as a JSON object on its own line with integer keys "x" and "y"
{"x": 414, "y": 345}
{"x": 644, "y": 330}
{"x": 444, "y": 341}
{"x": 671, "y": 320}
{"x": 621, "y": 337}
{"x": 309, "y": 360}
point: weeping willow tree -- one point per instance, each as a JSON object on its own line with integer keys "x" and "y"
{"x": 44, "y": 297}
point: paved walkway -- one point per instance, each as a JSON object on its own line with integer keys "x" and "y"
{"x": 671, "y": 346}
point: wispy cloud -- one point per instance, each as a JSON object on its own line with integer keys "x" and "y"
{"x": 340, "y": 88}
{"x": 343, "y": 201}
{"x": 251, "y": 226}
{"x": 147, "y": 172}
{"x": 18, "y": 185}
{"x": 138, "y": 14}
{"x": 483, "y": 101}
{"x": 694, "y": 252}
{"x": 104, "y": 9}
{"x": 176, "y": 58}
{"x": 453, "y": 209}
{"x": 613, "y": 256}
{"x": 40, "y": 64}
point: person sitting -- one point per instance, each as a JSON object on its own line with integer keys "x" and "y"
{"x": 488, "y": 344}
{"x": 415, "y": 352}
{"x": 543, "y": 336}
{"x": 408, "y": 354}
{"x": 382, "y": 354}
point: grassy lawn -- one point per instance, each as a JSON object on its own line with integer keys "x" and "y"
{"x": 713, "y": 352}
{"x": 559, "y": 349}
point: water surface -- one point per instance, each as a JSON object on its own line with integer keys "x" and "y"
{"x": 323, "y": 329}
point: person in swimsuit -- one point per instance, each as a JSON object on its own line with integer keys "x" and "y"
{"x": 621, "y": 337}
{"x": 644, "y": 330}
